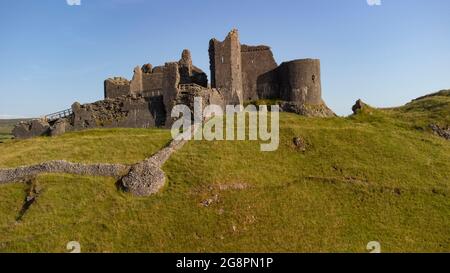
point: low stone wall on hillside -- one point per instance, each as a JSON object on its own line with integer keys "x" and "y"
{"x": 141, "y": 179}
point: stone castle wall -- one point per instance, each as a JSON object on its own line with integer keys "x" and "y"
{"x": 147, "y": 79}
{"x": 226, "y": 67}
{"x": 300, "y": 81}
{"x": 171, "y": 82}
{"x": 239, "y": 73}
{"x": 153, "y": 81}
{"x": 116, "y": 87}
{"x": 257, "y": 62}
{"x": 246, "y": 73}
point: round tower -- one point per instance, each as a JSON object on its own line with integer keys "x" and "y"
{"x": 300, "y": 81}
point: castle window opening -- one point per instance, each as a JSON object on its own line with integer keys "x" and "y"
{"x": 314, "y": 78}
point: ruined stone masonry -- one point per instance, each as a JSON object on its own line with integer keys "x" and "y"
{"x": 239, "y": 73}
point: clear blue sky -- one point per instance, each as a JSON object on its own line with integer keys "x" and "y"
{"x": 52, "y": 54}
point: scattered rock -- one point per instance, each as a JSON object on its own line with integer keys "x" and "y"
{"x": 300, "y": 143}
{"x": 232, "y": 186}
{"x": 440, "y": 131}
{"x": 359, "y": 105}
{"x": 436, "y": 191}
{"x": 306, "y": 110}
{"x": 221, "y": 187}
{"x": 207, "y": 202}
{"x": 33, "y": 193}
{"x": 210, "y": 201}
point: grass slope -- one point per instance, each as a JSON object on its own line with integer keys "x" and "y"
{"x": 6, "y": 127}
{"x": 420, "y": 113}
{"x": 368, "y": 177}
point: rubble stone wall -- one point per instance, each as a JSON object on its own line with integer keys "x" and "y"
{"x": 127, "y": 111}
{"x": 116, "y": 87}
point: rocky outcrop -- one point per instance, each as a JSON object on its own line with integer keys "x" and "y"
{"x": 359, "y": 105}
{"x": 33, "y": 128}
{"x": 320, "y": 110}
{"x": 300, "y": 143}
{"x": 59, "y": 127}
{"x": 442, "y": 132}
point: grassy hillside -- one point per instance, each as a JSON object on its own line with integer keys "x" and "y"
{"x": 420, "y": 113}
{"x": 6, "y": 127}
{"x": 371, "y": 177}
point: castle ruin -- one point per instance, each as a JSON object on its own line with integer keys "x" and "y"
{"x": 239, "y": 74}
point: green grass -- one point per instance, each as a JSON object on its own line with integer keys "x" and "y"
{"x": 92, "y": 146}
{"x": 369, "y": 177}
{"x": 6, "y": 127}
{"x": 419, "y": 114}
{"x": 5, "y": 137}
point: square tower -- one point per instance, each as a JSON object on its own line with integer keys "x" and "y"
{"x": 226, "y": 70}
